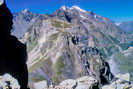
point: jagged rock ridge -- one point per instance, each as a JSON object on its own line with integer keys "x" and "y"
{"x": 71, "y": 43}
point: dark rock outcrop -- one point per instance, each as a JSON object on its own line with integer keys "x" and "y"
{"x": 13, "y": 53}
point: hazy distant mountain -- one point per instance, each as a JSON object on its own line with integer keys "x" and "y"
{"x": 23, "y": 20}
{"x": 62, "y": 43}
{"x": 127, "y": 26}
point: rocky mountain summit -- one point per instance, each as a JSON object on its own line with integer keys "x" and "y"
{"x": 68, "y": 44}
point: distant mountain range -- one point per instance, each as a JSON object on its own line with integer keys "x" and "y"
{"x": 59, "y": 42}
{"x": 126, "y": 26}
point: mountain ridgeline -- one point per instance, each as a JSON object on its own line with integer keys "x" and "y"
{"x": 69, "y": 43}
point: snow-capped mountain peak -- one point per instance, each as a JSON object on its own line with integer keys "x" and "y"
{"x": 64, "y": 7}
{"x": 77, "y": 8}
{"x": 72, "y": 8}
{"x": 25, "y": 11}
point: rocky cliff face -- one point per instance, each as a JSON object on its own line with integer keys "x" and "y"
{"x": 122, "y": 62}
{"x": 71, "y": 43}
{"x": 62, "y": 52}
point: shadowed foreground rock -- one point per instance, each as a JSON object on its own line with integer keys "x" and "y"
{"x": 7, "y": 82}
{"x": 13, "y": 53}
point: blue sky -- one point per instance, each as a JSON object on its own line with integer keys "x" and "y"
{"x": 117, "y": 10}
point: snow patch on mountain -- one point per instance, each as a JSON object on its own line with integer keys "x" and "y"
{"x": 117, "y": 24}
{"x": 82, "y": 16}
